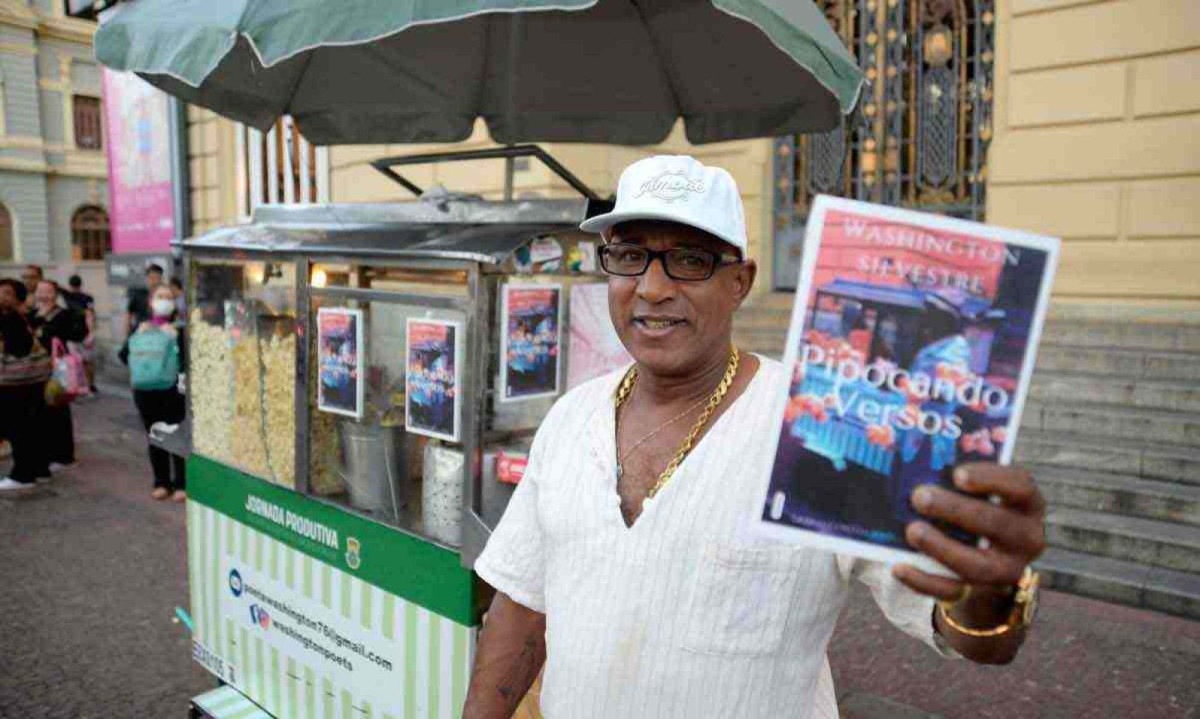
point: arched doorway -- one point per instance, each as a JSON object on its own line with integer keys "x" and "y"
{"x": 8, "y": 234}
{"x": 90, "y": 237}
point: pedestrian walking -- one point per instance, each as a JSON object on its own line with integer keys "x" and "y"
{"x": 31, "y": 276}
{"x": 180, "y": 297}
{"x": 85, "y": 305}
{"x": 157, "y": 356}
{"x": 49, "y": 322}
{"x": 635, "y": 547}
{"x": 137, "y": 306}
{"x": 24, "y": 369}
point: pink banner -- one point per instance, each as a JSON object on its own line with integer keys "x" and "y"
{"x": 138, "y": 141}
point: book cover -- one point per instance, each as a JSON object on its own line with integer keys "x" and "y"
{"x": 433, "y": 366}
{"x": 340, "y": 360}
{"x": 911, "y": 347}
{"x": 530, "y": 343}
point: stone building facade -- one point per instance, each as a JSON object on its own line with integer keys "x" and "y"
{"x": 49, "y": 168}
{"x": 1088, "y": 135}
{"x": 53, "y": 168}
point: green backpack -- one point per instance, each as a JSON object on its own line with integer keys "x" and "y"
{"x": 153, "y": 359}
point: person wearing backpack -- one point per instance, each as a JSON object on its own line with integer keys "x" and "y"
{"x": 157, "y": 356}
{"x": 24, "y": 369}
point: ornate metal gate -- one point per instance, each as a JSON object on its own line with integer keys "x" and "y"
{"x": 920, "y": 136}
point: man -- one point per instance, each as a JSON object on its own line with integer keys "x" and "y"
{"x": 137, "y": 306}
{"x": 137, "y": 310}
{"x": 624, "y": 561}
{"x": 180, "y": 298}
{"x": 31, "y": 276}
{"x": 84, "y": 305}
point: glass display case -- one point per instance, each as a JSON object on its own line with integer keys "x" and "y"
{"x": 393, "y": 361}
{"x": 242, "y": 332}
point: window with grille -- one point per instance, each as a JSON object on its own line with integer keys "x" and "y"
{"x": 89, "y": 134}
{"x": 279, "y": 167}
{"x": 7, "y": 234}
{"x": 919, "y": 138}
{"x": 90, "y": 236}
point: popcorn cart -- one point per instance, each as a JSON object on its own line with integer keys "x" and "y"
{"x": 364, "y": 382}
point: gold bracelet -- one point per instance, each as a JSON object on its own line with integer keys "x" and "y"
{"x": 993, "y": 632}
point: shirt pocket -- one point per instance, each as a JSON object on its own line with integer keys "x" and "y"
{"x": 740, "y": 599}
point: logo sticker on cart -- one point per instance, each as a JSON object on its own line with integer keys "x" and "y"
{"x": 259, "y": 616}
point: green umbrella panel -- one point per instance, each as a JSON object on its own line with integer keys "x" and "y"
{"x": 396, "y": 71}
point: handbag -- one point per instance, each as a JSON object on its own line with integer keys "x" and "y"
{"x": 33, "y": 368}
{"x": 68, "y": 379}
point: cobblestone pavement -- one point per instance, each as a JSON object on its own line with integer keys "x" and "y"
{"x": 91, "y": 570}
{"x": 1083, "y": 659}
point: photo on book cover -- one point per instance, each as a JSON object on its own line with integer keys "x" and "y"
{"x": 340, "y": 361}
{"x": 433, "y": 378}
{"x": 911, "y": 345}
{"x": 531, "y": 317}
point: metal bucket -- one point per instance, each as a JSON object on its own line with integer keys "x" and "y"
{"x": 374, "y": 468}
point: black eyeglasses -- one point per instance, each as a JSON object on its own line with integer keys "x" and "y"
{"x": 689, "y": 264}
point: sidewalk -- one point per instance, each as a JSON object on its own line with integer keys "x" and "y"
{"x": 92, "y": 570}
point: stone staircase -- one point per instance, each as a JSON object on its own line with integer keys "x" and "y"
{"x": 1111, "y": 429}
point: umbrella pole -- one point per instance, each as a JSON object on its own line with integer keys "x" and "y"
{"x": 510, "y": 168}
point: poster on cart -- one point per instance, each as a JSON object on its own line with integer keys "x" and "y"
{"x": 911, "y": 346}
{"x": 433, "y": 362}
{"x": 340, "y": 357}
{"x": 595, "y": 347}
{"x": 531, "y": 340}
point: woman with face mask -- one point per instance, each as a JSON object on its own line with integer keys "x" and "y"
{"x": 157, "y": 353}
{"x": 50, "y": 321}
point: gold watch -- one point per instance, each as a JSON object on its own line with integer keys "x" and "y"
{"x": 1024, "y": 609}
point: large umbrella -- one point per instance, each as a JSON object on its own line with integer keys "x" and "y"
{"x": 376, "y": 71}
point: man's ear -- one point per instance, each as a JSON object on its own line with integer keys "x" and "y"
{"x": 744, "y": 279}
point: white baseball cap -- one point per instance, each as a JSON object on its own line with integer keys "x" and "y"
{"x": 678, "y": 188}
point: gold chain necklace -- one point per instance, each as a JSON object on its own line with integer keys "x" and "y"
{"x": 625, "y": 389}
{"x": 621, "y": 459}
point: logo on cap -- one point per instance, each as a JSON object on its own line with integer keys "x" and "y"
{"x": 670, "y": 186}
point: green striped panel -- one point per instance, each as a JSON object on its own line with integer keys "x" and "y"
{"x": 433, "y": 630}
{"x": 307, "y": 563}
{"x": 276, "y": 703}
{"x": 367, "y": 593}
{"x": 460, "y": 666}
{"x": 212, "y": 558}
{"x": 289, "y": 564}
{"x": 294, "y": 682}
{"x": 244, "y": 670}
{"x": 196, "y": 541}
{"x": 410, "y": 660}
{"x": 310, "y": 694}
{"x": 433, "y": 654}
{"x": 327, "y": 698}
{"x": 273, "y": 555}
{"x": 431, "y": 576}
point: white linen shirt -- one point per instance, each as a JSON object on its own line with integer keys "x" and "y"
{"x": 684, "y": 614}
